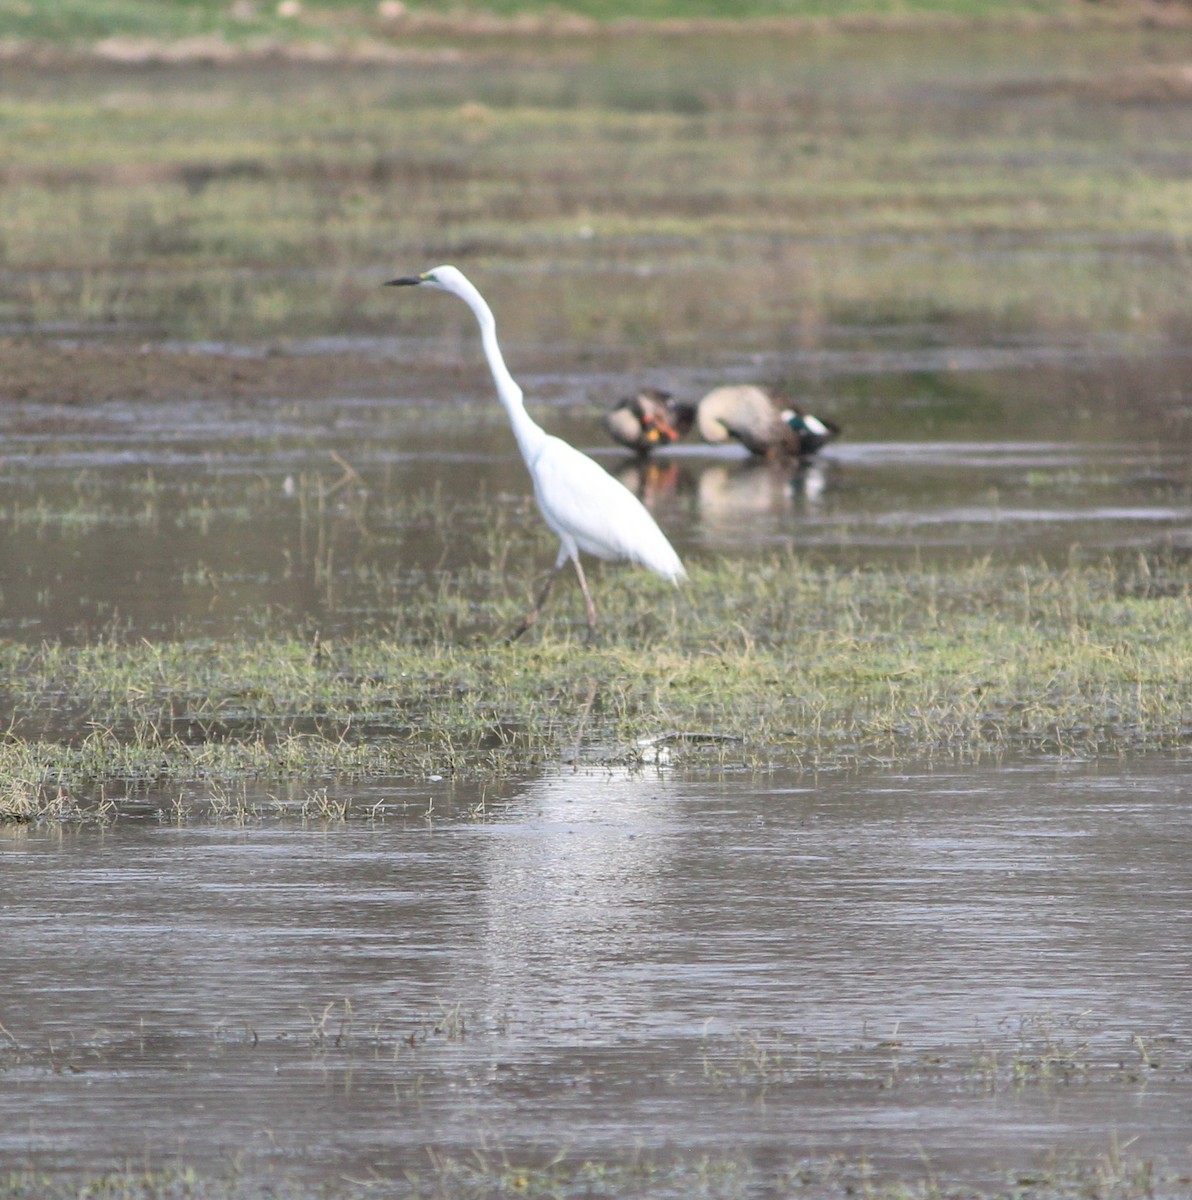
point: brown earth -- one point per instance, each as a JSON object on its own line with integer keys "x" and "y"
{"x": 47, "y": 372}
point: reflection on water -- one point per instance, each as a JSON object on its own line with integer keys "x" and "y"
{"x": 571, "y": 888}
{"x": 907, "y": 497}
{"x": 956, "y": 968}
{"x": 193, "y": 517}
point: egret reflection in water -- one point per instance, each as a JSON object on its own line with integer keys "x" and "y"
{"x": 579, "y": 878}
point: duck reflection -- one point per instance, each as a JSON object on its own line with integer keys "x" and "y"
{"x": 725, "y": 493}
{"x": 652, "y": 480}
{"x": 729, "y": 491}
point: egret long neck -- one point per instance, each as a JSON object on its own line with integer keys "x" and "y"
{"x": 529, "y": 435}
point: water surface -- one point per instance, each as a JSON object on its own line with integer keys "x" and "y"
{"x": 970, "y": 970}
{"x": 194, "y": 517}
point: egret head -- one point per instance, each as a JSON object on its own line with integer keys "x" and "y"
{"x": 447, "y": 279}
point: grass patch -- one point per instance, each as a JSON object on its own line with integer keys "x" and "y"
{"x": 490, "y": 1171}
{"x": 81, "y": 21}
{"x": 782, "y": 664}
{"x": 764, "y": 189}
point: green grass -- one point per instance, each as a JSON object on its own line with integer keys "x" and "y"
{"x": 783, "y": 665}
{"x": 81, "y": 21}
{"x": 772, "y": 192}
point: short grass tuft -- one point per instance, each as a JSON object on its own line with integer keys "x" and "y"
{"x": 760, "y": 666}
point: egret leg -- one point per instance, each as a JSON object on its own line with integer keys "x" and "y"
{"x": 534, "y": 613}
{"x": 583, "y": 583}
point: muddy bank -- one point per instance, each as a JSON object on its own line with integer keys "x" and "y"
{"x": 78, "y": 374}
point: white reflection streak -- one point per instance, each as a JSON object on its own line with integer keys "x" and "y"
{"x": 575, "y": 882}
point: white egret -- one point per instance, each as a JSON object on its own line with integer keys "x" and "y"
{"x": 649, "y": 419}
{"x": 586, "y": 507}
{"x": 762, "y": 422}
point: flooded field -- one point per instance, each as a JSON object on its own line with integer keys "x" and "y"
{"x": 351, "y": 899}
{"x": 324, "y": 512}
{"x": 618, "y": 981}
{"x": 971, "y": 254}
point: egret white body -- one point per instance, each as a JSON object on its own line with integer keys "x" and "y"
{"x": 583, "y": 504}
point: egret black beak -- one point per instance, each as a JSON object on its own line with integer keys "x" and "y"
{"x": 404, "y": 281}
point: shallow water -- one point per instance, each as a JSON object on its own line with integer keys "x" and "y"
{"x": 968, "y": 974}
{"x": 957, "y": 971}
{"x": 194, "y": 517}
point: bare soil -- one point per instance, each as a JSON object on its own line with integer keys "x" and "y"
{"x": 56, "y": 373}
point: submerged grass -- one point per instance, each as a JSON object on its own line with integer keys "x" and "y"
{"x": 781, "y": 664}
{"x": 421, "y": 1057}
{"x": 1112, "y": 1175}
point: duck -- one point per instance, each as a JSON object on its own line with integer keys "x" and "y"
{"x": 649, "y": 419}
{"x": 762, "y": 422}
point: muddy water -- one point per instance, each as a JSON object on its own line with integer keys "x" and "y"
{"x": 963, "y": 973}
{"x": 193, "y": 517}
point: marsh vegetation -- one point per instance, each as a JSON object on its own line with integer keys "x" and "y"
{"x": 756, "y": 665}
{"x": 834, "y": 871}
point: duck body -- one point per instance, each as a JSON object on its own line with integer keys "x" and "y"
{"x": 648, "y": 420}
{"x": 761, "y": 422}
